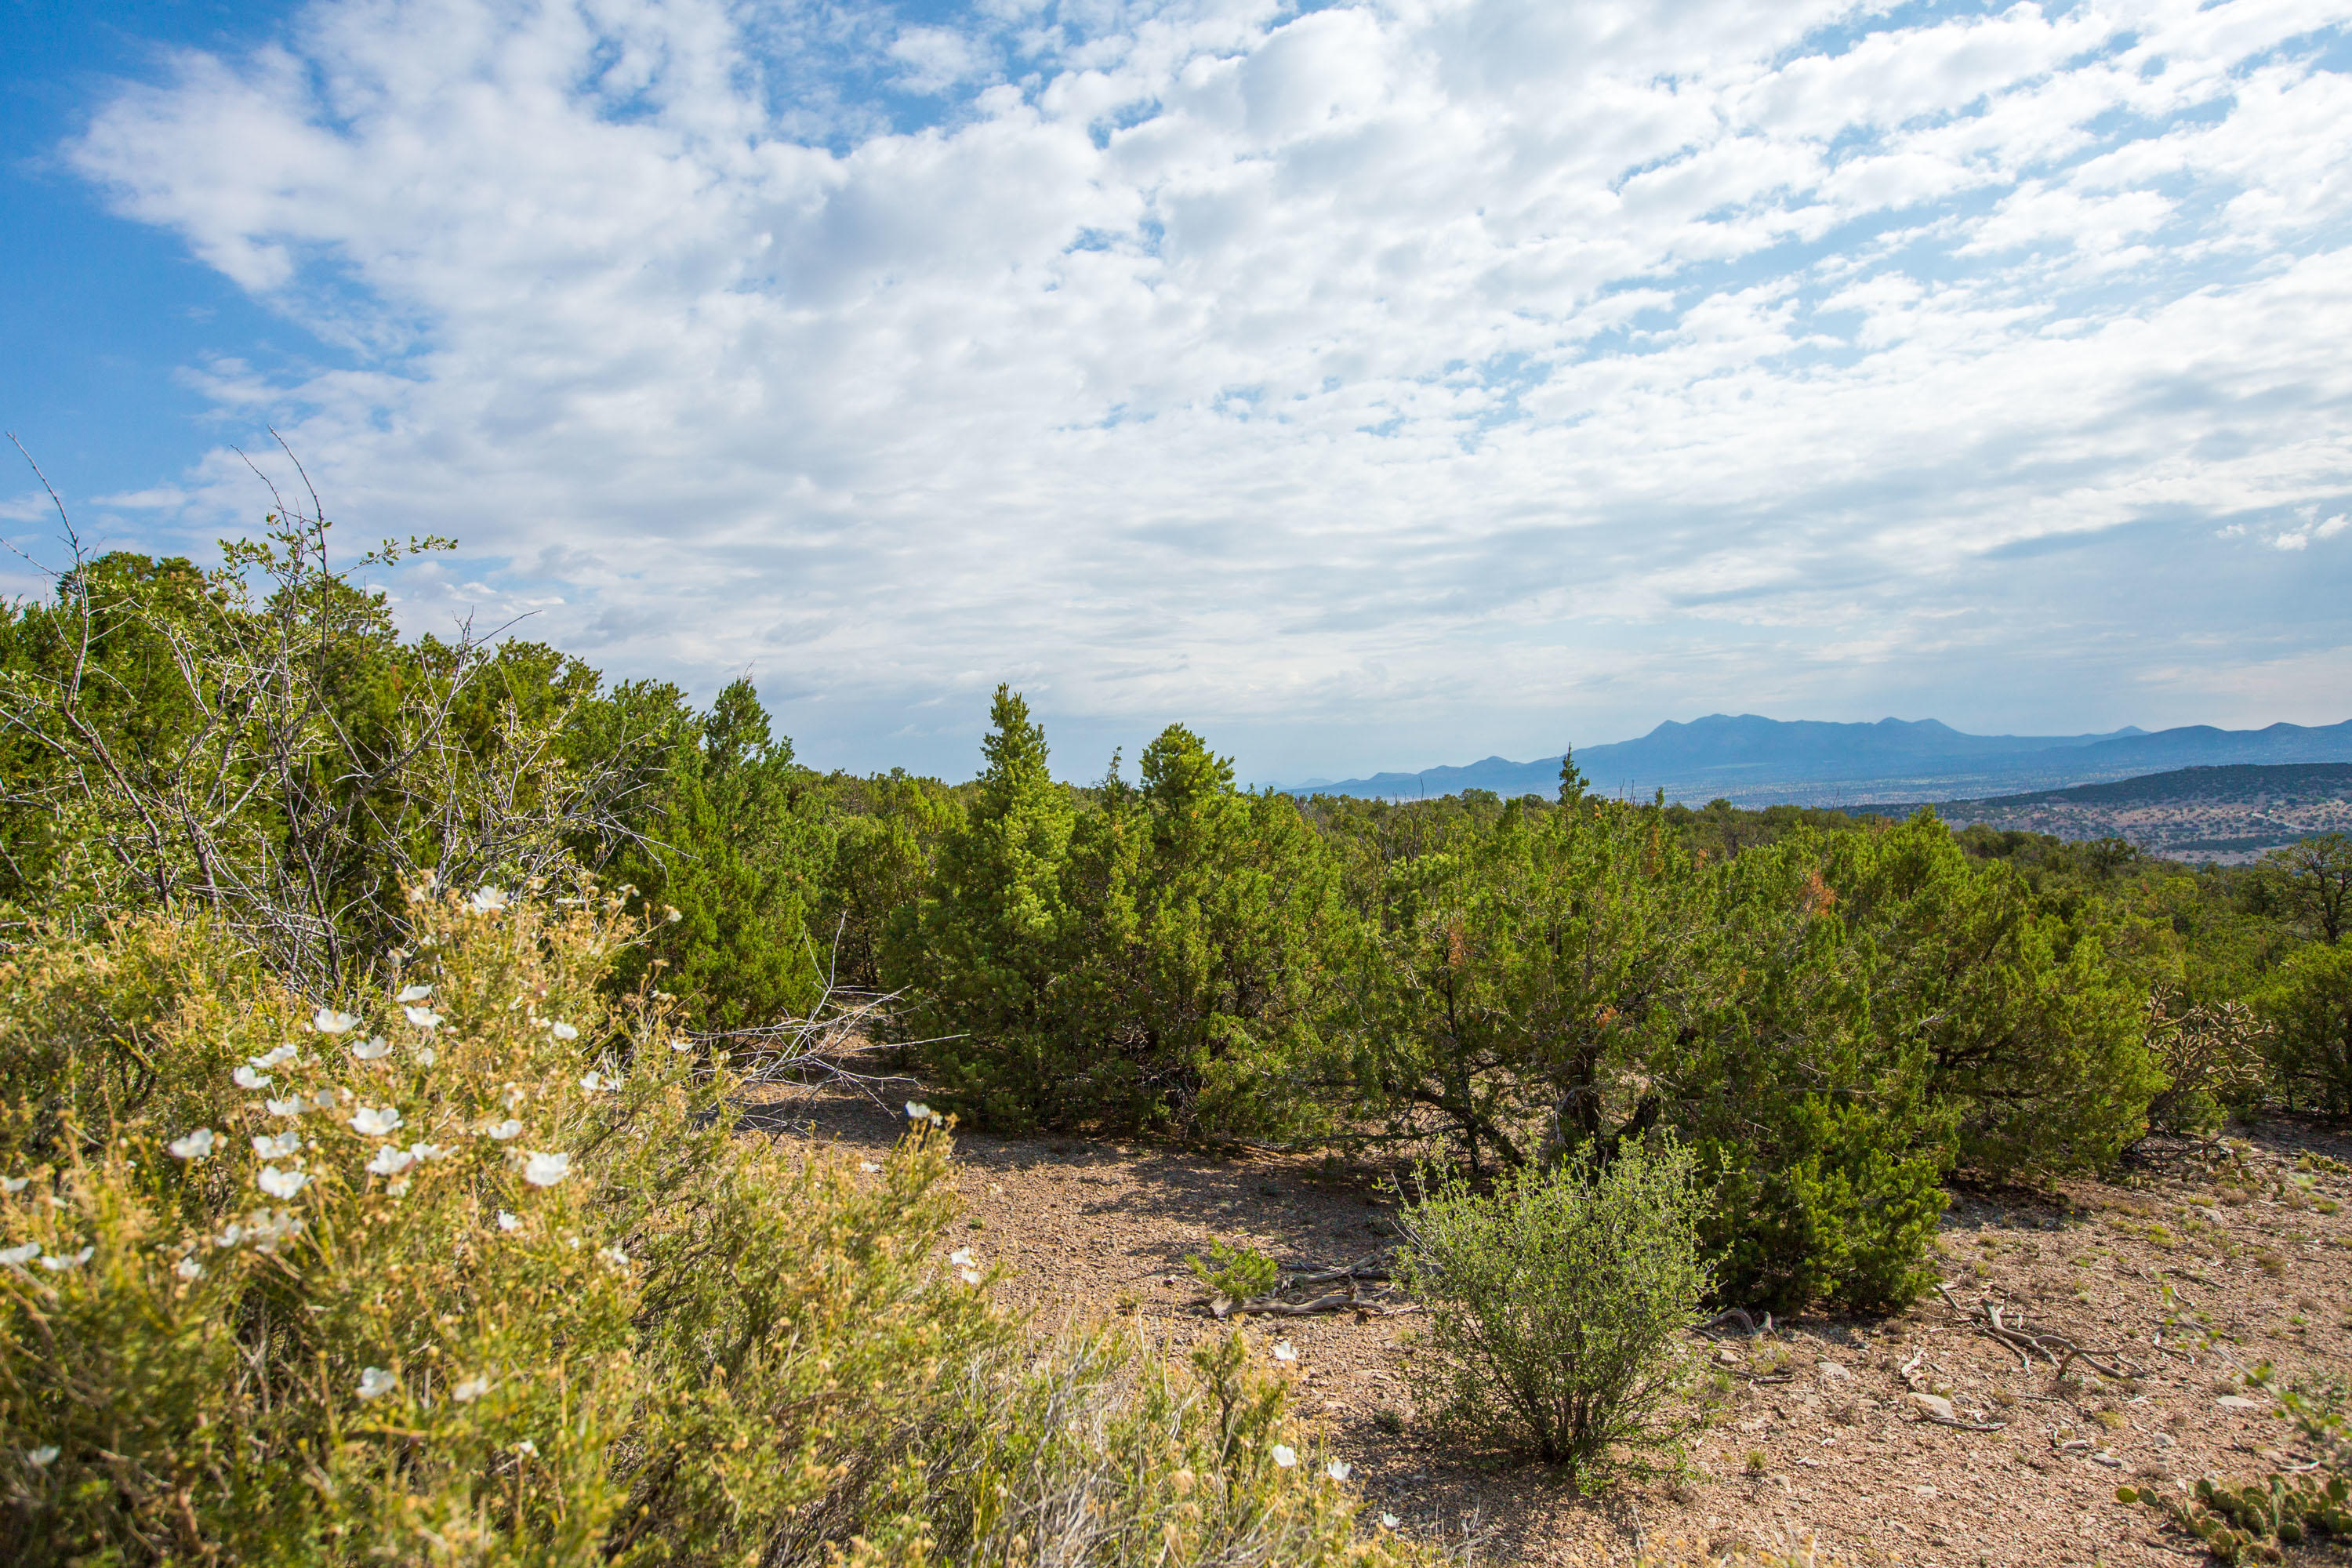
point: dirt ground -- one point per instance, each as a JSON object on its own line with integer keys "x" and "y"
{"x": 2194, "y": 1268}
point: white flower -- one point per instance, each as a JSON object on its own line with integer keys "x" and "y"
{"x": 514, "y": 1097}
{"x": 231, "y": 1237}
{"x": 614, "y": 1255}
{"x": 681, "y": 1045}
{"x": 671, "y": 914}
{"x": 70, "y": 1260}
{"x": 1283, "y": 1352}
{"x": 868, "y": 1166}
{"x": 294, "y": 1106}
{"x": 470, "y": 1390}
{"x": 563, "y": 1031}
{"x": 423, "y": 1017}
{"x": 245, "y": 1077}
{"x": 194, "y": 1146}
{"x": 1284, "y": 1456}
{"x": 968, "y": 1276}
{"x": 187, "y": 1269}
{"x": 274, "y": 1148}
{"x": 428, "y": 1150}
{"x": 18, "y": 1257}
{"x": 327, "y": 1021}
{"x": 280, "y": 1183}
{"x": 960, "y": 1257}
{"x": 373, "y": 1048}
{"x": 509, "y": 1222}
{"x": 42, "y": 1457}
{"x": 375, "y": 1123}
{"x": 326, "y": 1099}
{"x": 546, "y": 1169}
{"x": 14, "y": 1185}
{"x": 594, "y": 1081}
{"x": 423, "y": 889}
{"x": 390, "y": 1162}
{"x": 413, "y": 993}
{"x": 502, "y": 1131}
{"x": 424, "y": 1055}
{"x": 1388, "y": 1522}
{"x": 375, "y": 1381}
{"x": 265, "y": 1229}
{"x": 917, "y": 1111}
{"x": 398, "y": 1188}
{"x": 270, "y": 1058}
{"x": 526, "y": 1447}
{"x": 488, "y": 900}
{"x": 1339, "y": 1470}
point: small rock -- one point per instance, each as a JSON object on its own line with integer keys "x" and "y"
{"x": 2238, "y": 1402}
{"x": 2165, "y": 1440}
{"x": 1935, "y": 1404}
{"x": 1830, "y": 1369}
{"x": 2103, "y": 1458}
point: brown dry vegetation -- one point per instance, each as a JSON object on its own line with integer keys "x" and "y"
{"x": 2197, "y": 1266}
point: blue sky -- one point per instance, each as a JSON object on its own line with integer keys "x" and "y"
{"x": 1366, "y": 385}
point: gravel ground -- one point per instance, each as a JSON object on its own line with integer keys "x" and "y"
{"x": 2201, "y": 1263}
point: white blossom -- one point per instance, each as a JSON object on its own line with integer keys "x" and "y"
{"x": 187, "y": 1269}
{"x": 423, "y": 889}
{"x": 514, "y": 1097}
{"x": 58, "y": 1264}
{"x": 194, "y": 1146}
{"x": 12, "y": 1185}
{"x": 42, "y": 1457}
{"x": 423, "y": 1017}
{"x": 917, "y": 1111}
{"x": 868, "y": 1166}
{"x": 968, "y": 1276}
{"x": 265, "y": 1229}
{"x": 17, "y": 1257}
{"x": 373, "y": 1122}
{"x": 1283, "y": 1352}
{"x": 508, "y": 1220}
{"x": 414, "y": 994}
{"x": 561, "y": 1030}
{"x": 960, "y": 1257}
{"x": 327, "y": 1021}
{"x": 470, "y": 1390}
{"x": 1388, "y": 1522}
{"x": 424, "y": 1055}
{"x": 294, "y": 1106}
{"x": 245, "y": 1077}
{"x": 1339, "y": 1470}
{"x": 326, "y": 1099}
{"x": 231, "y": 1237}
{"x": 428, "y": 1150}
{"x": 274, "y": 1147}
{"x": 375, "y": 1381}
{"x": 488, "y": 900}
{"x": 398, "y": 1187}
{"x": 1285, "y": 1456}
{"x": 373, "y": 1048}
{"x": 502, "y": 1131}
{"x": 270, "y": 1058}
{"x": 526, "y": 1447}
{"x": 614, "y": 1255}
{"x": 595, "y": 1082}
{"x": 546, "y": 1169}
{"x": 390, "y": 1162}
{"x": 280, "y": 1183}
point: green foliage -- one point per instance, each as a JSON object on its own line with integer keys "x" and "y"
{"x": 561, "y": 1313}
{"x": 1557, "y": 1302}
{"x": 1236, "y": 1271}
{"x": 1149, "y": 957}
{"x": 2309, "y": 1006}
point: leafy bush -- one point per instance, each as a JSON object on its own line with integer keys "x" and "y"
{"x": 485, "y": 1272}
{"x": 2309, "y": 1006}
{"x": 1239, "y": 1272}
{"x": 1556, "y": 1301}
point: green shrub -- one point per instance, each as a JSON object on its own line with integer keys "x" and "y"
{"x": 2309, "y": 1006}
{"x": 1240, "y": 1271}
{"x": 560, "y": 1313}
{"x": 1554, "y": 1303}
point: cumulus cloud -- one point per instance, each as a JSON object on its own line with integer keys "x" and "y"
{"x": 1492, "y": 368}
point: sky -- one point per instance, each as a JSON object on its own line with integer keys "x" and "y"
{"x": 1364, "y": 386}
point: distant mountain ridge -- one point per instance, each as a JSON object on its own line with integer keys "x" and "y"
{"x": 2232, "y": 812}
{"x": 1752, "y": 760}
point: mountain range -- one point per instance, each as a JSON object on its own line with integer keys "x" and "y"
{"x": 1754, "y": 760}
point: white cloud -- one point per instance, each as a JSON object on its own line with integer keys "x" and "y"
{"x": 1452, "y": 361}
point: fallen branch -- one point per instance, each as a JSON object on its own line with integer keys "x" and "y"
{"x": 1986, "y": 1320}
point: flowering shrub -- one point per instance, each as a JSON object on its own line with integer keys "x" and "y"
{"x": 471, "y": 1266}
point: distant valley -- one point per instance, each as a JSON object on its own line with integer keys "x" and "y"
{"x": 1753, "y": 762}
{"x": 2227, "y": 814}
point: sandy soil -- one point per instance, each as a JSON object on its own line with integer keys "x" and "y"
{"x": 2196, "y": 1267}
